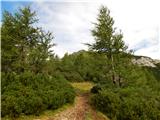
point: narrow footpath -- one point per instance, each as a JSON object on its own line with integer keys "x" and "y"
{"x": 81, "y": 110}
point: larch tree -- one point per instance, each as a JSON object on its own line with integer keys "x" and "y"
{"x": 25, "y": 47}
{"x": 108, "y": 41}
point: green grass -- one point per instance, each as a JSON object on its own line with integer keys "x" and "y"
{"x": 85, "y": 86}
{"x": 89, "y": 115}
{"x": 82, "y": 87}
{"x": 102, "y": 115}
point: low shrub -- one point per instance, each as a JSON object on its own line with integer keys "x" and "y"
{"x": 108, "y": 102}
{"x": 73, "y": 76}
{"x": 128, "y": 103}
{"x": 96, "y": 89}
{"x": 28, "y": 93}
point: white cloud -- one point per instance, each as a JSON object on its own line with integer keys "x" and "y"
{"x": 70, "y": 21}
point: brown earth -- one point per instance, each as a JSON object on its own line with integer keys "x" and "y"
{"x": 80, "y": 111}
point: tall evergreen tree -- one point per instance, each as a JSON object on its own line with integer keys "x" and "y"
{"x": 23, "y": 44}
{"x": 107, "y": 40}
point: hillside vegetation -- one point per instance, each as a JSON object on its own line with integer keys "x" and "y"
{"x": 31, "y": 94}
{"x": 137, "y": 98}
{"x": 29, "y": 84}
{"x": 34, "y": 79}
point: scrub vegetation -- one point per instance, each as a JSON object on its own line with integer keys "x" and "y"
{"x": 34, "y": 79}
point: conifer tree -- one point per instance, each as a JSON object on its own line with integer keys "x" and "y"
{"x": 25, "y": 47}
{"x": 108, "y": 41}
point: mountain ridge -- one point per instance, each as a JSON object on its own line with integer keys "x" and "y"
{"x": 145, "y": 61}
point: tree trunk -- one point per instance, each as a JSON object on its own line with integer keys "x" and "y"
{"x": 113, "y": 70}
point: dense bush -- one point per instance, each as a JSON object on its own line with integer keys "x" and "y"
{"x": 96, "y": 89}
{"x": 73, "y": 76}
{"x": 84, "y": 66}
{"x": 137, "y": 99}
{"x": 128, "y": 104}
{"x": 28, "y": 93}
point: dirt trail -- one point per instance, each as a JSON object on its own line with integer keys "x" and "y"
{"x": 80, "y": 111}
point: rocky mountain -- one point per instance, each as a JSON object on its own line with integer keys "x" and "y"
{"x": 145, "y": 61}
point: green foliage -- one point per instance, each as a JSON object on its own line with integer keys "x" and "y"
{"x": 137, "y": 99}
{"x": 24, "y": 46}
{"x": 73, "y": 76}
{"x": 84, "y": 66}
{"x": 29, "y": 83}
{"x": 91, "y": 66}
{"x": 33, "y": 79}
{"x": 110, "y": 102}
{"x": 95, "y": 89}
{"x": 128, "y": 104}
{"x": 107, "y": 40}
{"x": 111, "y": 43}
{"x": 28, "y": 93}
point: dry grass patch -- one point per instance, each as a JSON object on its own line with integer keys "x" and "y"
{"x": 83, "y": 86}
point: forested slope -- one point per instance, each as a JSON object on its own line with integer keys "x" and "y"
{"x": 34, "y": 79}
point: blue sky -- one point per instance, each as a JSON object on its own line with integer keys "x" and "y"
{"x": 12, "y": 6}
{"x": 71, "y": 22}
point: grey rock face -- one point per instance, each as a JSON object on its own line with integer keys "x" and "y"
{"x": 146, "y": 61}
